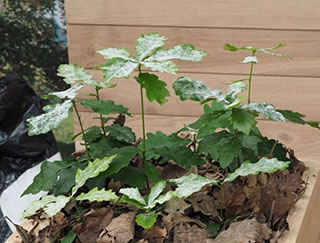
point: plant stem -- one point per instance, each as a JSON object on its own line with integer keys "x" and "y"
{"x": 250, "y": 78}
{"x": 142, "y": 118}
{"x": 80, "y": 122}
{"x": 101, "y": 119}
{"x": 221, "y": 201}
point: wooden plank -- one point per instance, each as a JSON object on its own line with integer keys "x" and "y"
{"x": 299, "y": 94}
{"x": 85, "y": 40}
{"x": 303, "y": 139}
{"x": 304, "y": 217}
{"x": 287, "y": 14}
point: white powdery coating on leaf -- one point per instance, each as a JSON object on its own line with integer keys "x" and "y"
{"x": 70, "y": 93}
{"x": 118, "y": 68}
{"x": 267, "y": 110}
{"x": 264, "y": 165}
{"x": 98, "y": 195}
{"x": 182, "y": 52}
{"x": 92, "y": 170}
{"x": 54, "y": 116}
{"x": 111, "y": 52}
{"x": 250, "y": 59}
{"x": 146, "y": 43}
{"x": 163, "y": 67}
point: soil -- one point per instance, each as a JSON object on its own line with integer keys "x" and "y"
{"x": 253, "y": 209}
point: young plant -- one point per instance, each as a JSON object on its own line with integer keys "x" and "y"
{"x": 226, "y": 134}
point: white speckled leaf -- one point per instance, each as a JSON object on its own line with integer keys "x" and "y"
{"x": 118, "y": 68}
{"x": 92, "y": 170}
{"x": 264, "y": 165}
{"x": 183, "y": 52}
{"x": 234, "y": 89}
{"x": 52, "y": 118}
{"x": 70, "y": 93}
{"x": 72, "y": 73}
{"x": 267, "y": 110}
{"x": 250, "y": 59}
{"x": 188, "y": 88}
{"x": 146, "y": 43}
{"x": 51, "y": 205}
{"x": 111, "y": 52}
{"x": 96, "y": 195}
{"x": 187, "y": 185}
{"x": 163, "y": 67}
{"x": 133, "y": 194}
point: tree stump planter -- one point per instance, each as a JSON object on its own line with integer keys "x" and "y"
{"x": 302, "y": 218}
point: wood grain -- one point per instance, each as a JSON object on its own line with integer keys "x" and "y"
{"x": 304, "y": 216}
{"x": 286, "y": 14}
{"x": 299, "y": 94}
{"x": 304, "y": 140}
{"x": 85, "y": 40}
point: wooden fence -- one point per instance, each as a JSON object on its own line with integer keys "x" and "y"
{"x": 287, "y": 83}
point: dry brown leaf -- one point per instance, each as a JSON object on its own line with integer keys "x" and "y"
{"x": 95, "y": 221}
{"x": 176, "y": 205}
{"x": 173, "y": 219}
{"x": 245, "y": 231}
{"x": 201, "y": 202}
{"x": 185, "y": 233}
{"x": 121, "y": 229}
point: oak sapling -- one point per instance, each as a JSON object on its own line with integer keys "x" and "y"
{"x": 225, "y": 136}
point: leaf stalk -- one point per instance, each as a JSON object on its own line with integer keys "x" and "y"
{"x": 80, "y": 123}
{"x": 250, "y": 78}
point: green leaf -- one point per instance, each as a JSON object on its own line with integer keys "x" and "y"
{"x": 187, "y": 185}
{"x": 117, "y": 68}
{"x": 105, "y": 107}
{"x": 188, "y": 88}
{"x": 101, "y": 147}
{"x": 209, "y": 123}
{"x": 124, "y": 156}
{"x": 159, "y": 140}
{"x": 250, "y": 59}
{"x": 296, "y": 117}
{"x": 47, "y": 177}
{"x": 250, "y": 142}
{"x": 52, "y": 118}
{"x": 146, "y": 220}
{"x": 183, "y": 52}
{"x": 146, "y": 43}
{"x": 230, "y": 47}
{"x": 151, "y": 172}
{"x": 155, "y": 88}
{"x": 181, "y": 155}
{"x": 250, "y": 48}
{"x": 92, "y": 134}
{"x": 50, "y": 204}
{"x": 96, "y": 195}
{"x": 242, "y": 120}
{"x": 163, "y": 67}
{"x": 66, "y": 180}
{"x": 73, "y": 72}
{"x": 222, "y": 147}
{"x": 121, "y": 133}
{"x": 69, "y": 238}
{"x": 93, "y": 169}
{"x": 131, "y": 176}
{"x": 265, "y": 109}
{"x": 111, "y": 52}
{"x": 70, "y": 93}
{"x": 133, "y": 194}
{"x": 214, "y": 229}
{"x": 264, "y": 165}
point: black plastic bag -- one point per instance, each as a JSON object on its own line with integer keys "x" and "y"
{"x": 18, "y": 151}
